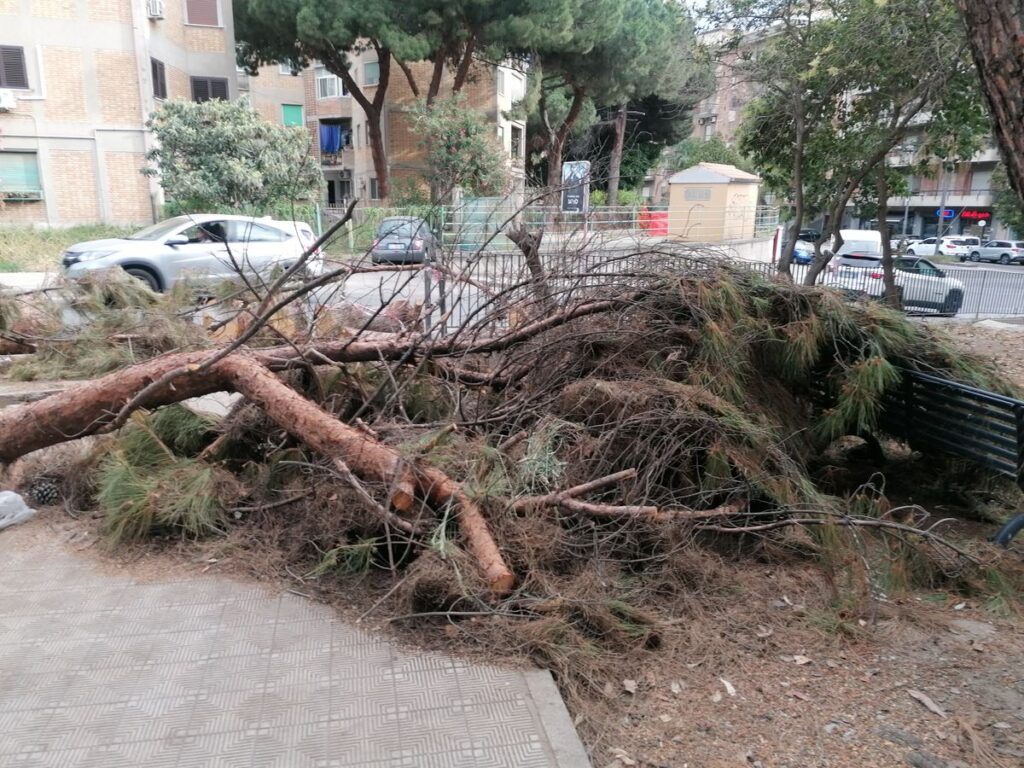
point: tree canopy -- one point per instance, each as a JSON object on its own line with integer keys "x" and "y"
{"x": 219, "y": 155}
{"x": 836, "y": 101}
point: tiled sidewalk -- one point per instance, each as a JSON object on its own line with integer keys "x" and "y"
{"x": 101, "y": 671}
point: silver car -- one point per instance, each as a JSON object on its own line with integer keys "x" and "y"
{"x": 1003, "y": 251}
{"x": 200, "y": 246}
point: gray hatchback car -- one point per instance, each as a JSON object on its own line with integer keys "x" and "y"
{"x": 403, "y": 240}
{"x": 211, "y": 246}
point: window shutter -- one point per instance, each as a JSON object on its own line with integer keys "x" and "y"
{"x": 203, "y": 12}
{"x": 200, "y": 89}
{"x": 159, "y": 79}
{"x": 218, "y": 88}
{"x": 13, "y": 73}
{"x": 206, "y": 88}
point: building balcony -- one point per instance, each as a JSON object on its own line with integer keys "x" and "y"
{"x": 953, "y": 200}
{"x": 344, "y": 159}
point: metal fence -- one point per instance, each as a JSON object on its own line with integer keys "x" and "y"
{"x": 956, "y": 290}
{"x": 932, "y": 413}
{"x": 480, "y": 224}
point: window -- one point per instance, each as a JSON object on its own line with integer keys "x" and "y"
{"x": 159, "y": 78}
{"x": 328, "y": 85}
{"x": 374, "y": 189}
{"x": 202, "y": 13}
{"x": 284, "y": 68}
{"x": 501, "y": 82}
{"x": 501, "y": 135}
{"x": 371, "y": 73}
{"x": 13, "y": 73}
{"x": 251, "y": 232}
{"x": 19, "y": 176}
{"x": 208, "y": 232}
{"x": 209, "y": 88}
{"x": 291, "y": 114}
{"x": 709, "y": 130}
{"x": 699, "y": 194}
{"x": 517, "y": 142}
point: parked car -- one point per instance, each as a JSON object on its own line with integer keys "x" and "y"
{"x": 803, "y": 252}
{"x": 960, "y": 246}
{"x": 1003, "y": 251}
{"x": 809, "y": 235}
{"x": 403, "y": 240}
{"x": 921, "y": 284}
{"x": 860, "y": 241}
{"x": 948, "y": 247}
{"x": 201, "y": 246}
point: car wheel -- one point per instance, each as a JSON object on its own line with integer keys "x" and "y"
{"x": 975, "y": 257}
{"x": 954, "y": 300}
{"x": 145, "y": 276}
{"x": 910, "y": 252}
{"x": 1004, "y": 259}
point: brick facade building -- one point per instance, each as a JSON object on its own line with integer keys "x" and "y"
{"x": 80, "y": 78}
{"x": 337, "y": 124}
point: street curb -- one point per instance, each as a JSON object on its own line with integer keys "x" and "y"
{"x": 554, "y": 717}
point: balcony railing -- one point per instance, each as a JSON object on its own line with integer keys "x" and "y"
{"x": 343, "y": 159}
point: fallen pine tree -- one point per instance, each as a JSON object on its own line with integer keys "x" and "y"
{"x": 554, "y": 474}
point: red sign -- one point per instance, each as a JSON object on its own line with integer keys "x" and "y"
{"x": 976, "y": 215}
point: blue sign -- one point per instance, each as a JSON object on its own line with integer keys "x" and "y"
{"x": 948, "y": 213}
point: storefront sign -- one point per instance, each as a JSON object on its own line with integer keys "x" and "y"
{"x": 976, "y": 215}
{"x": 948, "y": 213}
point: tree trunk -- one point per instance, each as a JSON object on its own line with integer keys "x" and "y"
{"x": 996, "y": 32}
{"x": 892, "y": 295}
{"x": 91, "y": 406}
{"x": 615, "y": 161}
{"x": 556, "y": 146}
{"x": 374, "y": 112}
{"x": 380, "y": 160}
{"x": 529, "y": 244}
{"x": 462, "y": 71}
{"x": 435, "y": 78}
{"x": 407, "y": 71}
{"x": 368, "y": 459}
{"x": 786, "y": 257}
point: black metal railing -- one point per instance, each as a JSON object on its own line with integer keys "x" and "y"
{"x": 932, "y": 413}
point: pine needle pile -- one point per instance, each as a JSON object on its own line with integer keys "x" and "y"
{"x": 628, "y": 464}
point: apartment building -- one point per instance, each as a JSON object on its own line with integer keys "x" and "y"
{"x": 338, "y": 124}
{"x": 963, "y": 198}
{"x": 277, "y": 92}
{"x": 78, "y": 80}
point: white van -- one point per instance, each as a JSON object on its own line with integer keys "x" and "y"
{"x": 865, "y": 241}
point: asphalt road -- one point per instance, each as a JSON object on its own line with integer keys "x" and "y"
{"x": 989, "y": 290}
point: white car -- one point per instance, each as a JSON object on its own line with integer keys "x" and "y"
{"x": 1003, "y": 251}
{"x": 201, "y": 245}
{"x": 949, "y": 246}
{"x": 921, "y": 284}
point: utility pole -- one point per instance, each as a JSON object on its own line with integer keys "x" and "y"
{"x": 942, "y": 206}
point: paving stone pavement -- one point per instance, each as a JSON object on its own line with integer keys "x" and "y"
{"x": 102, "y": 670}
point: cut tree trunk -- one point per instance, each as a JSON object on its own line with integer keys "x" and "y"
{"x": 996, "y": 32}
{"x": 367, "y": 458}
{"x": 529, "y": 244}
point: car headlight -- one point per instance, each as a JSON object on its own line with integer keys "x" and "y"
{"x": 93, "y": 255}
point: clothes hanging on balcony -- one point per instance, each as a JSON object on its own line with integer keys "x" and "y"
{"x": 330, "y": 138}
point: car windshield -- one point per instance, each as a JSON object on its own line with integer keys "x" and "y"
{"x": 160, "y": 230}
{"x": 854, "y": 246}
{"x": 858, "y": 261}
{"x": 400, "y": 227}
{"x": 1018, "y": 244}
